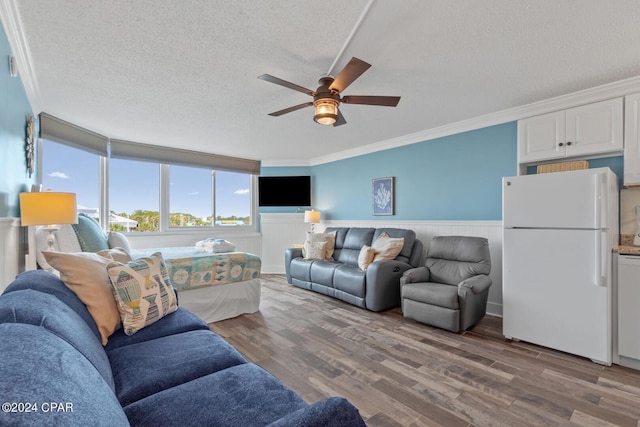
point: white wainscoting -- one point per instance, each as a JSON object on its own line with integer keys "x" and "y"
{"x": 281, "y": 231}
{"x": 10, "y": 250}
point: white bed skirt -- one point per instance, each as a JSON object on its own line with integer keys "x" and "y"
{"x": 220, "y": 302}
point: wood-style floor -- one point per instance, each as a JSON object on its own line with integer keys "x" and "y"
{"x": 402, "y": 373}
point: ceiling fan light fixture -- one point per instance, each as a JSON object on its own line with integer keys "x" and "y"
{"x": 326, "y": 111}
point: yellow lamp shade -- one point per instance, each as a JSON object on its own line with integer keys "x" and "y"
{"x": 48, "y": 208}
{"x": 312, "y": 217}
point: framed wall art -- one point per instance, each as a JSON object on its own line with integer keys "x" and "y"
{"x": 382, "y": 196}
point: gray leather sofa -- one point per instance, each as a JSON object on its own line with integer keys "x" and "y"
{"x": 377, "y": 288}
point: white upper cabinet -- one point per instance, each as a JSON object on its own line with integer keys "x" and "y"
{"x": 632, "y": 140}
{"x": 577, "y": 132}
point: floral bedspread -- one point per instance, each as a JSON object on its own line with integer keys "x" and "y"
{"x": 189, "y": 268}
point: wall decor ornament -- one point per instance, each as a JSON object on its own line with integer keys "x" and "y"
{"x": 30, "y": 146}
{"x": 382, "y": 196}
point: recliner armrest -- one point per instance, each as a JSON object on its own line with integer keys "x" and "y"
{"x": 415, "y": 275}
{"x": 477, "y": 284}
{"x": 289, "y": 255}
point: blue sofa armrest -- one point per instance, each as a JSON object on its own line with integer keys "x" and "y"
{"x": 289, "y": 255}
{"x": 383, "y": 284}
{"x": 331, "y": 412}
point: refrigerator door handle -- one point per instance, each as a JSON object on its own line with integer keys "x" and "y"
{"x": 599, "y": 203}
{"x": 600, "y": 260}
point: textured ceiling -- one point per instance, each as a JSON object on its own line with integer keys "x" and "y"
{"x": 184, "y": 73}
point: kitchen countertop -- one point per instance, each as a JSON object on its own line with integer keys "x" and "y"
{"x": 626, "y": 246}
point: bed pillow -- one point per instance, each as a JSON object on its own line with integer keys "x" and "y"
{"x": 85, "y": 273}
{"x": 365, "y": 257}
{"x": 91, "y": 237}
{"x": 386, "y": 247}
{"x": 142, "y": 291}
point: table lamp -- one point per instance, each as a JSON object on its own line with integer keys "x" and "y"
{"x": 312, "y": 217}
{"x": 49, "y": 209}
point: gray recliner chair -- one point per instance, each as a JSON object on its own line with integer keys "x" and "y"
{"x": 451, "y": 291}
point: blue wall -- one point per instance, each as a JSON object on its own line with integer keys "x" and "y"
{"x": 456, "y": 177}
{"x": 14, "y": 107}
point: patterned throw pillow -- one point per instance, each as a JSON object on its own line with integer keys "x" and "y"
{"x": 142, "y": 291}
{"x": 386, "y": 247}
{"x": 314, "y": 250}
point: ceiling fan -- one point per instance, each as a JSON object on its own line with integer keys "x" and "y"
{"x": 326, "y": 98}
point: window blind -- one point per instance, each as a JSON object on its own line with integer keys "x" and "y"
{"x": 57, "y": 130}
{"x": 174, "y": 156}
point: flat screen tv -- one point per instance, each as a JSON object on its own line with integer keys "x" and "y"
{"x": 284, "y": 191}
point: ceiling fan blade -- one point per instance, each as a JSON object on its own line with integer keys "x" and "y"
{"x": 385, "y": 101}
{"x": 349, "y": 73}
{"x": 290, "y": 109}
{"x": 340, "y": 120}
{"x": 272, "y": 79}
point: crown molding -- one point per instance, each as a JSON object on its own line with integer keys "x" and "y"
{"x": 599, "y": 93}
{"x": 10, "y": 18}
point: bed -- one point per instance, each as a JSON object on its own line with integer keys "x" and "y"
{"x": 214, "y": 286}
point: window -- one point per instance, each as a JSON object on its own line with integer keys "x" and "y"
{"x": 67, "y": 169}
{"x": 134, "y": 195}
{"x": 233, "y": 198}
{"x": 149, "y": 188}
{"x": 190, "y": 197}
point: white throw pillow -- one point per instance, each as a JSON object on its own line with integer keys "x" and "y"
{"x": 365, "y": 257}
{"x": 329, "y": 238}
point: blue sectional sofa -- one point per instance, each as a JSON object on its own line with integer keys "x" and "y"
{"x": 55, "y": 371}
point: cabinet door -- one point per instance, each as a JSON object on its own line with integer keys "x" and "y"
{"x": 632, "y": 140}
{"x": 628, "y": 303}
{"x": 595, "y": 128}
{"x": 541, "y": 137}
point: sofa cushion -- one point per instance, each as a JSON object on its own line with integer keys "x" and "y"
{"x": 47, "y": 312}
{"x": 181, "y": 320}
{"x": 452, "y": 259}
{"x": 301, "y": 269}
{"x": 432, "y": 293}
{"x": 351, "y": 280}
{"x": 331, "y": 412}
{"x": 349, "y": 241}
{"x": 43, "y": 281}
{"x": 85, "y": 273}
{"x": 143, "y": 369}
{"x": 90, "y": 236}
{"x": 322, "y": 272}
{"x": 142, "y": 291}
{"x": 39, "y": 367}
{"x": 244, "y": 395}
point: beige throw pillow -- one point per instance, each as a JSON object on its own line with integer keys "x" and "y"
{"x": 386, "y": 247}
{"x": 117, "y": 254}
{"x": 314, "y": 250}
{"x": 85, "y": 273}
{"x": 365, "y": 257}
{"x": 329, "y": 238}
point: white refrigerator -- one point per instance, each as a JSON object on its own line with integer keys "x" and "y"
{"x": 559, "y": 230}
